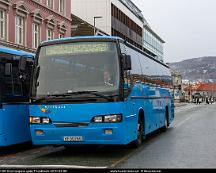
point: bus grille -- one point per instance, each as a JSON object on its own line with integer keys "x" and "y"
{"x": 82, "y": 124}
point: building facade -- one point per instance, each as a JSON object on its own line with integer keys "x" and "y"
{"x": 116, "y": 17}
{"x": 25, "y": 23}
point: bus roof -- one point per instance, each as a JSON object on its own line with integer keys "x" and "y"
{"x": 97, "y": 38}
{"x": 81, "y": 38}
{"x": 16, "y": 52}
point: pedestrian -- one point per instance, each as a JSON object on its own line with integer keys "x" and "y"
{"x": 197, "y": 100}
{"x": 207, "y": 100}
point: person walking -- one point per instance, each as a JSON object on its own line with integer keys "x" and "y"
{"x": 197, "y": 100}
{"x": 207, "y": 100}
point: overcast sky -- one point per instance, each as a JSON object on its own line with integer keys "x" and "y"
{"x": 187, "y": 26}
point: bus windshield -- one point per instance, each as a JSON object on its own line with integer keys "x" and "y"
{"x": 78, "y": 67}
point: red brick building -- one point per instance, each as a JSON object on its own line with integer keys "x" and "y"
{"x": 205, "y": 89}
{"x": 25, "y": 23}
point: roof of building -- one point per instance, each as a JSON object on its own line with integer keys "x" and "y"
{"x": 202, "y": 87}
{"x": 133, "y": 8}
{"x": 16, "y": 52}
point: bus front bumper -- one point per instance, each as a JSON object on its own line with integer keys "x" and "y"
{"x": 108, "y": 134}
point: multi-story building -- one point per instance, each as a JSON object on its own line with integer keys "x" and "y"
{"x": 152, "y": 43}
{"x": 117, "y": 18}
{"x": 113, "y": 17}
{"x": 25, "y": 23}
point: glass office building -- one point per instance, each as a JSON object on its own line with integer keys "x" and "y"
{"x": 152, "y": 43}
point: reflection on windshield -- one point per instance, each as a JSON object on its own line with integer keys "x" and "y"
{"x": 72, "y": 71}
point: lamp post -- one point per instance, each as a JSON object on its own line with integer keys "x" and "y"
{"x": 96, "y": 17}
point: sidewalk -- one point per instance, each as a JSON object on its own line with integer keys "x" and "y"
{"x": 180, "y": 104}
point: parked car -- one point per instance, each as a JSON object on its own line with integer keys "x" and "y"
{"x": 197, "y": 96}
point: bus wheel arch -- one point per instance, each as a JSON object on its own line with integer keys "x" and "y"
{"x": 140, "y": 129}
{"x": 167, "y": 115}
{"x": 166, "y": 121}
{"x": 141, "y": 115}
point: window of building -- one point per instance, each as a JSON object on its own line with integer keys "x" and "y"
{"x": 2, "y": 24}
{"x": 61, "y": 6}
{"x": 36, "y": 35}
{"x": 61, "y": 36}
{"x": 19, "y": 30}
{"x": 62, "y": 29}
{"x": 50, "y": 3}
{"x": 49, "y": 34}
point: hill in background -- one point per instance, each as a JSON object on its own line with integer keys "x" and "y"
{"x": 198, "y": 69}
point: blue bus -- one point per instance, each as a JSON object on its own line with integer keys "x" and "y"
{"x": 98, "y": 90}
{"x": 15, "y": 74}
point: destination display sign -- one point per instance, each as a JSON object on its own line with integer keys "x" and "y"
{"x": 77, "y": 48}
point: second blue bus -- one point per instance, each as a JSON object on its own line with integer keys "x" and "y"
{"x": 15, "y": 74}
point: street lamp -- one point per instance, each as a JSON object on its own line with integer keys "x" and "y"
{"x": 96, "y": 17}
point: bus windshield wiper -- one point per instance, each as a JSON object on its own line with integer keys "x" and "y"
{"x": 81, "y": 92}
{"x": 39, "y": 99}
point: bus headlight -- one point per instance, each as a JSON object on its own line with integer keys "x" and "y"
{"x": 107, "y": 118}
{"x": 35, "y": 120}
{"x": 112, "y": 118}
{"x": 98, "y": 119}
{"x": 39, "y": 120}
{"x": 45, "y": 120}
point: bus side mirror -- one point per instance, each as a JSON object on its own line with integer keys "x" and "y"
{"x": 22, "y": 64}
{"x": 127, "y": 62}
{"x": 8, "y": 69}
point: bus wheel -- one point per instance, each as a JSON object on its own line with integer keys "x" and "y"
{"x": 138, "y": 142}
{"x": 166, "y": 124}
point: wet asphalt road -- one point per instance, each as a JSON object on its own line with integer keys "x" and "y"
{"x": 190, "y": 143}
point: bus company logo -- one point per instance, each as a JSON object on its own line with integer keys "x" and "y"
{"x": 45, "y": 110}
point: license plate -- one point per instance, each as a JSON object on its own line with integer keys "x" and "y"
{"x": 73, "y": 138}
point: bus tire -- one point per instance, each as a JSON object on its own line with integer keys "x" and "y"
{"x": 140, "y": 127}
{"x": 166, "y": 121}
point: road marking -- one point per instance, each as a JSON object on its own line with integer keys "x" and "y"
{"x": 53, "y": 166}
{"x": 188, "y": 118}
{"x": 126, "y": 157}
{"x": 121, "y": 160}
